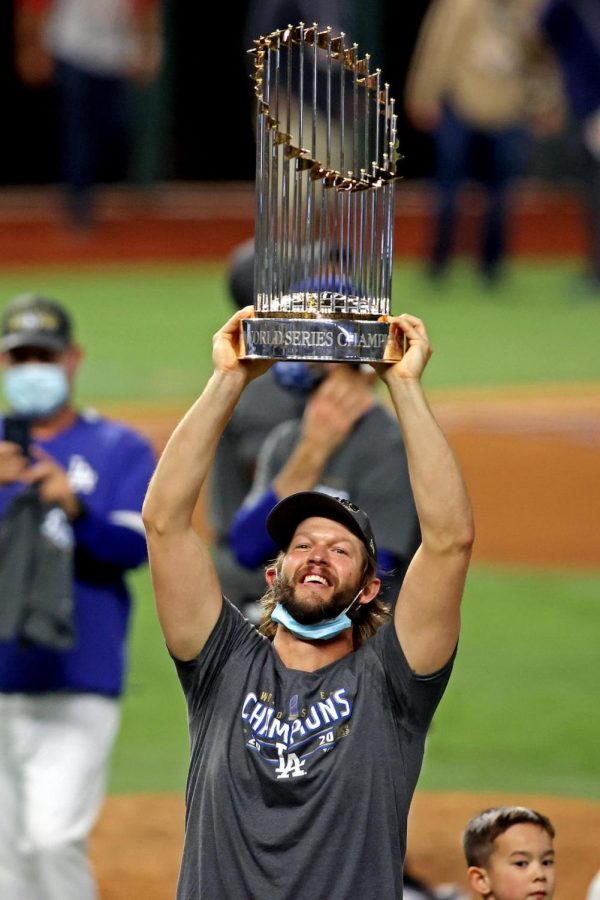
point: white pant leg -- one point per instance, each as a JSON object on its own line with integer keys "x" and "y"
{"x": 64, "y": 743}
{"x": 15, "y": 871}
{"x": 594, "y": 888}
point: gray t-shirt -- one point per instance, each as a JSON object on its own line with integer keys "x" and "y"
{"x": 300, "y": 782}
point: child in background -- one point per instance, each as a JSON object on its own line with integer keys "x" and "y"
{"x": 510, "y": 854}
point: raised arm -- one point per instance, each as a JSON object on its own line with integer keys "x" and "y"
{"x": 186, "y": 587}
{"x": 427, "y": 614}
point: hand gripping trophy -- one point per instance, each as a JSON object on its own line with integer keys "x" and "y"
{"x": 325, "y": 170}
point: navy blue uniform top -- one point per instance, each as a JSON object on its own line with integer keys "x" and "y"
{"x": 109, "y": 466}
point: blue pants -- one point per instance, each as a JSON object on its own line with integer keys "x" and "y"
{"x": 504, "y": 153}
{"x": 92, "y": 134}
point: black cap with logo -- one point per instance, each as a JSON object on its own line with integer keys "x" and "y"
{"x": 33, "y": 321}
{"x": 284, "y": 518}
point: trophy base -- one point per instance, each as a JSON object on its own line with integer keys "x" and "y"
{"x": 325, "y": 340}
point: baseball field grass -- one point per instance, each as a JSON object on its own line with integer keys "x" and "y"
{"x": 520, "y": 713}
{"x": 147, "y": 329}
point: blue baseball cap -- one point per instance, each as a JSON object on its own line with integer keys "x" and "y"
{"x": 284, "y": 518}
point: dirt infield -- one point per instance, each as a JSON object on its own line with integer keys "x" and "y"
{"x": 531, "y": 458}
{"x": 137, "y": 845}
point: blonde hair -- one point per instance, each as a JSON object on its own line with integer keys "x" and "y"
{"x": 366, "y": 618}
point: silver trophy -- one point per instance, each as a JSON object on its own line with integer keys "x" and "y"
{"x": 325, "y": 169}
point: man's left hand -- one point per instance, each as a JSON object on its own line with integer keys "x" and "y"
{"x": 418, "y": 349}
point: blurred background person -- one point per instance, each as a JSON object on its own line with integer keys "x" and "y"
{"x": 573, "y": 29}
{"x": 92, "y": 50}
{"x": 331, "y": 449}
{"x": 71, "y": 493}
{"x": 478, "y": 81}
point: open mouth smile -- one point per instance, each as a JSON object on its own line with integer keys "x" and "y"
{"x": 314, "y": 578}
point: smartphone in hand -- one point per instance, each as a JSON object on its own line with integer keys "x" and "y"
{"x": 17, "y": 430}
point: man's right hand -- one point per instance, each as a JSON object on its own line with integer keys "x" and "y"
{"x": 226, "y": 349}
{"x": 13, "y": 463}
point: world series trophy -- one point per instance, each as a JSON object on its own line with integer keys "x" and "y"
{"x": 325, "y": 169}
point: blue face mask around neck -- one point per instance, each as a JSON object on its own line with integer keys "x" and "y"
{"x": 36, "y": 389}
{"x": 319, "y": 631}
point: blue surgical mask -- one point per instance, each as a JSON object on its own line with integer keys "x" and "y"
{"x": 319, "y": 631}
{"x": 298, "y": 377}
{"x": 36, "y": 389}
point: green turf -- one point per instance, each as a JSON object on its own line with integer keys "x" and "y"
{"x": 151, "y": 753}
{"x": 535, "y": 327}
{"x": 520, "y": 712}
{"x": 147, "y": 329}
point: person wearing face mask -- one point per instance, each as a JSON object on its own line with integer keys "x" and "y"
{"x": 328, "y": 423}
{"x": 59, "y": 706}
{"x": 307, "y": 739}
{"x": 330, "y": 448}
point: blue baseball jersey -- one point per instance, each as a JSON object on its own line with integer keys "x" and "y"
{"x": 109, "y": 466}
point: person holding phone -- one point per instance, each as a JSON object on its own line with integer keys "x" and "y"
{"x": 59, "y": 705}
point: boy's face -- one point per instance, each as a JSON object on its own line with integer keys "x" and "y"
{"x": 521, "y": 866}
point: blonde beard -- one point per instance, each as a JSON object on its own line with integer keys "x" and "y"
{"x": 284, "y": 593}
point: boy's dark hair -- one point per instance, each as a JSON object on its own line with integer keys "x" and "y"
{"x": 483, "y": 829}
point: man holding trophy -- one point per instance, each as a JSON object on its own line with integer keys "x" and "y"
{"x": 305, "y": 749}
{"x": 307, "y": 736}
